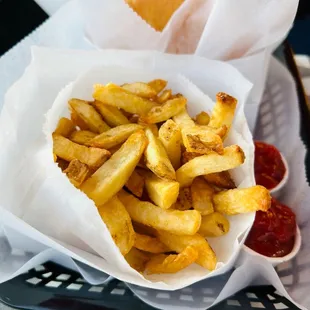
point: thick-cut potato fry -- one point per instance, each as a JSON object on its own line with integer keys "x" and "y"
{"x": 158, "y": 85}
{"x": 202, "y": 118}
{"x": 54, "y": 157}
{"x": 166, "y": 95}
{"x": 77, "y": 121}
{"x": 118, "y": 221}
{"x": 214, "y": 225}
{"x": 137, "y": 259}
{"x": 111, "y": 115}
{"x": 114, "y": 173}
{"x": 223, "y": 111}
{"x": 77, "y": 172}
{"x": 140, "y": 89}
{"x": 114, "y": 136}
{"x": 178, "y": 222}
{"x": 233, "y": 157}
{"x": 170, "y": 136}
{"x": 64, "y": 127}
{"x": 206, "y": 256}
{"x": 89, "y": 115}
{"x": 163, "y": 193}
{"x": 68, "y": 150}
{"x": 184, "y": 120}
{"x": 184, "y": 201}
{"x": 171, "y": 263}
{"x": 118, "y": 97}
{"x": 164, "y": 112}
{"x": 135, "y": 183}
{"x": 149, "y": 244}
{"x": 82, "y": 136}
{"x": 220, "y": 131}
{"x": 220, "y": 179}
{"x": 187, "y": 156}
{"x": 156, "y": 158}
{"x": 143, "y": 229}
{"x": 242, "y": 200}
{"x": 153, "y": 127}
{"x": 202, "y": 195}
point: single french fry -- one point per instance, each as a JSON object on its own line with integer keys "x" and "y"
{"x": 153, "y": 127}
{"x": 82, "y": 136}
{"x": 140, "y": 89}
{"x": 187, "y": 156}
{"x": 202, "y": 118}
{"x": 202, "y": 195}
{"x": 114, "y": 173}
{"x": 178, "y": 222}
{"x": 135, "y": 183}
{"x": 118, "y": 221}
{"x": 143, "y": 229}
{"x": 149, "y": 244}
{"x": 233, "y": 157}
{"x": 184, "y": 201}
{"x": 114, "y": 136}
{"x": 111, "y": 115}
{"x": 184, "y": 120}
{"x": 206, "y": 256}
{"x": 118, "y": 97}
{"x": 220, "y": 179}
{"x": 242, "y": 200}
{"x": 68, "y": 150}
{"x": 89, "y": 115}
{"x": 77, "y": 172}
{"x": 156, "y": 157}
{"x": 164, "y": 96}
{"x": 171, "y": 263}
{"x": 158, "y": 85}
{"x": 170, "y": 136}
{"x": 214, "y": 225}
{"x": 78, "y": 121}
{"x": 64, "y": 127}
{"x": 54, "y": 157}
{"x": 137, "y": 259}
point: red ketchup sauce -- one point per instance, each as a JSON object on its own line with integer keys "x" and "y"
{"x": 273, "y": 232}
{"x": 268, "y": 166}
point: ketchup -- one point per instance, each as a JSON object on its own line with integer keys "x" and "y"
{"x": 273, "y": 232}
{"x": 268, "y": 166}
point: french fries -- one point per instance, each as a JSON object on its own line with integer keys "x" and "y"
{"x": 178, "y": 222}
{"x": 202, "y": 118}
{"x": 166, "y": 95}
{"x": 115, "y": 172}
{"x": 77, "y": 121}
{"x": 235, "y": 201}
{"x": 171, "y": 263}
{"x": 114, "y": 136}
{"x": 89, "y": 115}
{"x": 214, "y": 225}
{"x": 135, "y": 183}
{"x": 118, "y": 221}
{"x": 156, "y": 158}
{"x": 64, "y": 127}
{"x": 118, "y": 97}
{"x": 137, "y": 259}
{"x": 183, "y": 119}
{"x": 170, "y": 136}
{"x": 68, "y": 150}
{"x": 77, "y": 172}
{"x": 187, "y": 156}
{"x": 149, "y": 244}
{"x": 140, "y": 89}
{"x": 82, "y": 136}
{"x": 206, "y": 256}
{"x": 184, "y": 201}
{"x": 233, "y": 157}
{"x": 158, "y": 85}
{"x": 220, "y": 179}
{"x": 202, "y": 195}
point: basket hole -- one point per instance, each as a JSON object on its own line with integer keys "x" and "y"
{"x": 208, "y": 299}
{"x": 34, "y": 281}
{"x": 257, "y": 305}
{"x": 63, "y": 277}
{"x": 271, "y": 297}
{"x": 251, "y": 295}
{"x": 47, "y": 275}
{"x": 232, "y": 302}
{"x": 187, "y": 290}
{"x": 186, "y": 297}
{"x": 208, "y": 291}
{"x": 280, "y": 306}
{"x": 96, "y": 289}
{"x": 39, "y": 268}
{"x": 80, "y": 280}
{"x": 139, "y": 292}
{"x": 74, "y": 286}
{"x": 118, "y": 291}
{"x": 163, "y": 295}
{"x": 53, "y": 284}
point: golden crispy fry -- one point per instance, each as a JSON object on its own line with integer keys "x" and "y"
{"x": 214, "y": 225}
{"x": 178, "y": 222}
{"x": 135, "y": 118}
{"x": 137, "y": 259}
{"x": 233, "y": 157}
{"x": 221, "y": 131}
{"x": 206, "y": 256}
{"x": 235, "y": 201}
{"x": 77, "y": 121}
{"x": 163, "y": 193}
{"x": 62, "y": 164}
{"x": 114, "y": 174}
{"x": 68, "y": 150}
{"x": 156, "y": 157}
{"x": 164, "y": 112}
{"x": 135, "y": 183}
{"x": 220, "y": 179}
{"x": 183, "y": 119}
{"x": 158, "y": 85}
{"x": 187, "y": 156}
{"x": 170, "y": 136}
{"x": 111, "y": 115}
{"x": 202, "y": 118}
{"x": 118, "y": 97}
{"x": 171, "y": 263}
{"x": 202, "y": 195}
{"x": 77, "y": 172}
{"x": 118, "y": 221}
{"x": 149, "y": 244}
{"x": 64, "y": 127}
{"x": 223, "y": 111}
{"x": 54, "y": 157}
{"x": 166, "y": 95}
{"x": 153, "y": 127}
{"x": 140, "y": 89}
{"x": 82, "y": 136}
{"x": 143, "y": 229}
{"x": 184, "y": 201}
{"x": 89, "y": 115}
{"x": 114, "y": 136}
